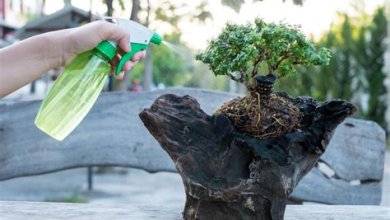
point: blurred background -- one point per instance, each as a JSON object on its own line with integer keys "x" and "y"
{"x": 356, "y": 31}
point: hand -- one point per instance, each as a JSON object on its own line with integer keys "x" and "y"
{"x": 57, "y": 48}
{"x": 86, "y": 37}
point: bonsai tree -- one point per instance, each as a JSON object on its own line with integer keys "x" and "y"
{"x": 256, "y": 55}
{"x": 243, "y": 52}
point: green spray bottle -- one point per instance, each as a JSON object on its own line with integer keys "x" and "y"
{"x": 79, "y": 85}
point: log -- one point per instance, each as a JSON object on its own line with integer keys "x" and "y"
{"x": 112, "y": 134}
{"x": 229, "y": 175}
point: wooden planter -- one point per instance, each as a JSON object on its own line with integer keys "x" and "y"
{"x": 229, "y": 175}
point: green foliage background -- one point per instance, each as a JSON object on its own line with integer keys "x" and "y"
{"x": 356, "y": 70}
{"x": 172, "y": 65}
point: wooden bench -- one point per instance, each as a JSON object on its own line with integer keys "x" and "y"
{"x": 349, "y": 173}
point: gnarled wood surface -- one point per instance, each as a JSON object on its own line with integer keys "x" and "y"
{"x": 113, "y": 134}
{"x": 229, "y": 175}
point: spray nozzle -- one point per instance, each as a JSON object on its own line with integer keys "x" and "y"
{"x": 135, "y": 48}
{"x": 140, "y": 37}
{"x": 156, "y": 39}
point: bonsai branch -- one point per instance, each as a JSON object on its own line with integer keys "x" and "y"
{"x": 240, "y": 79}
{"x": 287, "y": 55}
{"x": 255, "y": 66}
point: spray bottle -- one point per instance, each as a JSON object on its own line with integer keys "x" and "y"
{"x": 79, "y": 85}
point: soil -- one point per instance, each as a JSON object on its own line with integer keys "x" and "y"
{"x": 262, "y": 116}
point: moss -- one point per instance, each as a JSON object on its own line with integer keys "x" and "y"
{"x": 69, "y": 199}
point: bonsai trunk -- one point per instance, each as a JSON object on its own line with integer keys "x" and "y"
{"x": 230, "y": 175}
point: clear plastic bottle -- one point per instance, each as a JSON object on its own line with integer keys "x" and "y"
{"x": 75, "y": 91}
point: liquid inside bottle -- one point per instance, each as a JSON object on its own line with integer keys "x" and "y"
{"x": 73, "y": 95}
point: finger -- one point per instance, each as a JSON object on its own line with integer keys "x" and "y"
{"x": 121, "y": 51}
{"x": 112, "y": 72}
{"x": 138, "y": 56}
{"x": 128, "y": 66}
{"x": 114, "y": 62}
{"x": 121, "y": 75}
{"x": 124, "y": 43}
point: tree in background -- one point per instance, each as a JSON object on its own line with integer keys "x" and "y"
{"x": 370, "y": 59}
{"x": 356, "y": 70}
{"x": 165, "y": 13}
{"x": 335, "y": 79}
{"x": 169, "y": 68}
{"x": 236, "y": 4}
{"x": 169, "y": 14}
{"x": 109, "y": 13}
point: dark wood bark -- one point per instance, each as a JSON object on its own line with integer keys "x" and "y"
{"x": 229, "y": 175}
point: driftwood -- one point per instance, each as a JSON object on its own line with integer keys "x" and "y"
{"x": 228, "y": 175}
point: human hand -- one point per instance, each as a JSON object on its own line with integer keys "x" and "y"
{"x": 86, "y": 37}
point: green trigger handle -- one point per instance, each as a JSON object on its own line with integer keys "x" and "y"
{"x": 135, "y": 48}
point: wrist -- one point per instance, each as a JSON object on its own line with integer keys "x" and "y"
{"x": 53, "y": 48}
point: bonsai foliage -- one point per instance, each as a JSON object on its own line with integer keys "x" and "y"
{"x": 244, "y": 51}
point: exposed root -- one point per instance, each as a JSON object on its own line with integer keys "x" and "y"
{"x": 262, "y": 117}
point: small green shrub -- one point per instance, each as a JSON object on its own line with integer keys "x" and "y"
{"x": 242, "y": 52}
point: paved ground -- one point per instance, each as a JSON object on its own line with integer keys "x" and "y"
{"x": 134, "y": 187}
{"x": 386, "y": 182}
{"x": 131, "y": 187}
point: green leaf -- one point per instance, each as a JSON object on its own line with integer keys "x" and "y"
{"x": 242, "y": 48}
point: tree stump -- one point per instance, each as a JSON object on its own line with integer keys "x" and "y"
{"x": 229, "y": 175}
